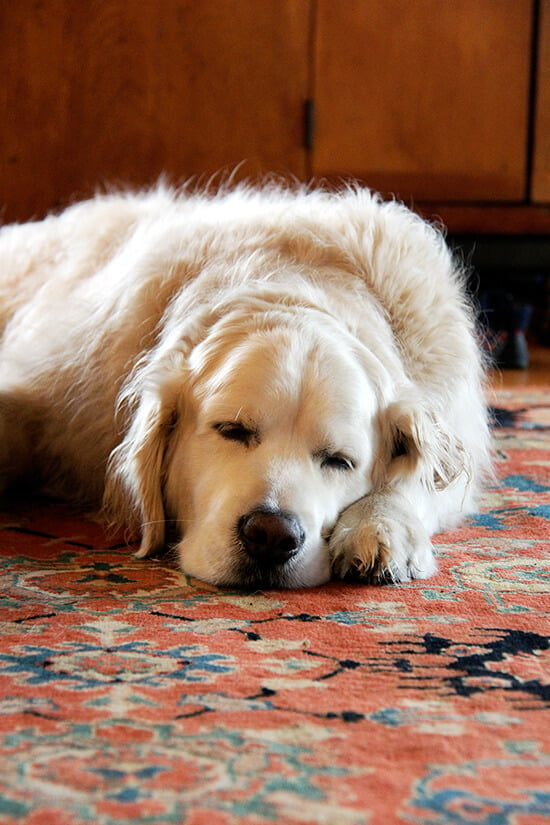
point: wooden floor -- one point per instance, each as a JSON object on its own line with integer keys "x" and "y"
{"x": 537, "y": 374}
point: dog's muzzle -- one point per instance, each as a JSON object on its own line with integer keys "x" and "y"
{"x": 270, "y": 538}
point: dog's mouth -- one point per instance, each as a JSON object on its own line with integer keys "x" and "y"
{"x": 249, "y": 576}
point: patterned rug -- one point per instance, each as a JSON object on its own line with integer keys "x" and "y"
{"x": 130, "y": 694}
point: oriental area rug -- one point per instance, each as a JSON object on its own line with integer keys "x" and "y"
{"x": 131, "y": 694}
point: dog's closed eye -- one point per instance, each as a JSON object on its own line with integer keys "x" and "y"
{"x": 336, "y": 461}
{"x": 247, "y": 435}
{"x": 236, "y": 431}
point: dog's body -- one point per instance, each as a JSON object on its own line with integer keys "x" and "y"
{"x": 291, "y": 378}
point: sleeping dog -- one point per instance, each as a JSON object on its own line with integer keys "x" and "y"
{"x": 289, "y": 378}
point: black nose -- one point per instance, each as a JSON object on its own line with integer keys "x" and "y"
{"x": 270, "y": 538}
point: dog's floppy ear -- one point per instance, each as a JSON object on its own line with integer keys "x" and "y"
{"x": 415, "y": 441}
{"x": 133, "y": 490}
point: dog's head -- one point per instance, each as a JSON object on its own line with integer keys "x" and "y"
{"x": 281, "y": 436}
{"x": 254, "y": 444}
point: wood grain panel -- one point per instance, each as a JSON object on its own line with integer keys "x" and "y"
{"x": 541, "y": 164}
{"x": 427, "y": 99}
{"x": 118, "y": 90}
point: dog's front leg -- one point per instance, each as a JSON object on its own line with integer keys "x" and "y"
{"x": 380, "y": 539}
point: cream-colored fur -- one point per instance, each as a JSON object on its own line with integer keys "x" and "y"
{"x": 290, "y": 379}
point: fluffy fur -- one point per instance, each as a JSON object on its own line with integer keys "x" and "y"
{"x": 290, "y": 380}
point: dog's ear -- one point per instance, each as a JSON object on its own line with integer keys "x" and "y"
{"x": 134, "y": 481}
{"x": 415, "y": 441}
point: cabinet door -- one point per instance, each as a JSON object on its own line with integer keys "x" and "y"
{"x": 541, "y": 164}
{"x": 120, "y": 90}
{"x": 427, "y": 99}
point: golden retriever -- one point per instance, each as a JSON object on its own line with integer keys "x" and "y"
{"x": 288, "y": 379}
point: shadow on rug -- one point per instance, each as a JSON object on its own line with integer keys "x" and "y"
{"x": 131, "y": 694}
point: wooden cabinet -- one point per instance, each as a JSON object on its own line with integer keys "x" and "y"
{"x": 426, "y": 99}
{"x": 541, "y": 147}
{"x": 438, "y": 101}
{"x": 98, "y": 91}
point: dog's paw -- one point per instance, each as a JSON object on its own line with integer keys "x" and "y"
{"x": 377, "y": 539}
